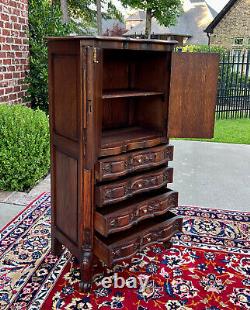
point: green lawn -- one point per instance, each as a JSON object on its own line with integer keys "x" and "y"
{"x": 231, "y": 131}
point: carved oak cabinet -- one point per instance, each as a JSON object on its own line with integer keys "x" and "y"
{"x": 114, "y": 103}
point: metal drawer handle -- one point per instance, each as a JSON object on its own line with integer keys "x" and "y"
{"x": 113, "y": 222}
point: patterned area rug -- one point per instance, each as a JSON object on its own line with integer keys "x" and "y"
{"x": 207, "y": 268}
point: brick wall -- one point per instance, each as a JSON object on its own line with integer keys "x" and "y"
{"x": 235, "y": 24}
{"x": 13, "y": 50}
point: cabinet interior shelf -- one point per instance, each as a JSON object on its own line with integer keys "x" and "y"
{"x": 124, "y": 93}
{"x": 115, "y": 140}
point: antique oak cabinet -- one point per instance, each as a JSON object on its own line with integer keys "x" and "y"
{"x": 114, "y": 103}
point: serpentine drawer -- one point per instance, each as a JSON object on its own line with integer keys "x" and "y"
{"x": 122, "y": 189}
{"x": 120, "y": 246}
{"x": 116, "y": 166}
{"x": 124, "y": 215}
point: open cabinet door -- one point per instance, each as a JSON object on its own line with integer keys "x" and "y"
{"x": 193, "y": 89}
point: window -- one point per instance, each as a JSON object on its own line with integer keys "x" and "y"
{"x": 238, "y": 41}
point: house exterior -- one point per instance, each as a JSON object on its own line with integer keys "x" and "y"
{"x": 134, "y": 19}
{"x": 189, "y": 27}
{"x": 112, "y": 27}
{"x": 231, "y": 27}
{"x": 14, "y": 50}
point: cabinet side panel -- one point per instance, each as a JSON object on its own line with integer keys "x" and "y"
{"x": 66, "y": 195}
{"x": 65, "y": 95}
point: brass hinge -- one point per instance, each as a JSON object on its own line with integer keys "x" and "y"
{"x": 95, "y": 56}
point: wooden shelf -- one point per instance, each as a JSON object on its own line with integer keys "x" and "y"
{"x": 123, "y": 93}
{"x": 117, "y": 141}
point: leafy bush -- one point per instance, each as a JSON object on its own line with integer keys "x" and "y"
{"x": 203, "y": 48}
{"x": 44, "y": 20}
{"x": 24, "y": 147}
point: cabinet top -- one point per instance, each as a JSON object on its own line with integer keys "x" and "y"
{"x": 103, "y": 38}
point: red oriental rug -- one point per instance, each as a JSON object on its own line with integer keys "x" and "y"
{"x": 207, "y": 268}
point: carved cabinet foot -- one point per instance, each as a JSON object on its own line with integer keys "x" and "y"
{"x": 84, "y": 287}
{"x": 86, "y": 270}
{"x": 56, "y": 247}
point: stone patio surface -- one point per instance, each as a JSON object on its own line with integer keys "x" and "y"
{"x": 11, "y": 203}
{"x": 213, "y": 175}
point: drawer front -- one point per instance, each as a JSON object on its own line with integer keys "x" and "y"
{"x": 124, "y": 218}
{"x": 116, "y": 166}
{"x": 121, "y": 190}
{"x": 127, "y": 247}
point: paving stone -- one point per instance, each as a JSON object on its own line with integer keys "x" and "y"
{"x": 4, "y": 195}
{"x": 8, "y": 212}
{"x": 43, "y": 186}
{"x": 212, "y": 175}
{"x": 20, "y": 198}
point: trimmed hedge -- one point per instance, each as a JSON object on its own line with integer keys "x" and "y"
{"x": 203, "y": 48}
{"x": 24, "y": 147}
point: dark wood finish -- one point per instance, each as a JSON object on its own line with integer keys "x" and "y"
{"x": 66, "y": 65}
{"x": 123, "y": 216}
{"x": 117, "y": 247}
{"x": 65, "y": 145}
{"x": 118, "y": 141}
{"x": 110, "y": 168}
{"x": 120, "y": 190}
{"x": 113, "y": 104}
{"x": 66, "y": 196}
{"x": 193, "y": 95}
{"x": 151, "y": 113}
{"x": 129, "y": 93}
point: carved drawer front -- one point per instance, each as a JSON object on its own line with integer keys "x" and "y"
{"x": 124, "y": 245}
{"x": 116, "y": 166}
{"x": 117, "y": 218}
{"x": 121, "y": 190}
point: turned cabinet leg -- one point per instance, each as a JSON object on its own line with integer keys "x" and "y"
{"x": 56, "y": 247}
{"x": 86, "y": 270}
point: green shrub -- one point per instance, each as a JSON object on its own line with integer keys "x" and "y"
{"x": 24, "y": 147}
{"x": 203, "y": 48}
{"x": 44, "y": 20}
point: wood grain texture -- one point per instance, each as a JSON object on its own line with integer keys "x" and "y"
{"x": 113, "y": 103}
{"x": 118, "y": 141}
{"x": 66, "y": 196}
{"x": 66, "y": 97}
{"x": 123, "y": 189}
{"x": 115, "y": 114}
{"x": 193, "y": 90}
{"x": 65, "y": 135}
{"x": 145, "y": 98}
{"x": 110, "y": 168}
{"x": 125, "y": 215}
{"x": 150, "y": 113}
{"x": 119, "y": 247}
{"x": 129, "y": 93}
